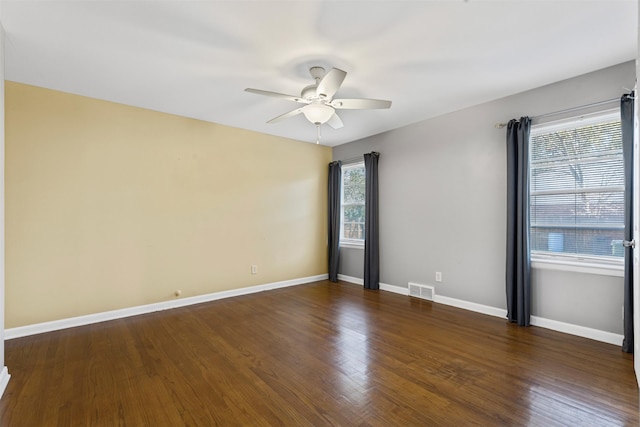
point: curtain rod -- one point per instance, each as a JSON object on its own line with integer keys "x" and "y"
{"x": 567, "y": 110}
{"x": 353, "y": 160}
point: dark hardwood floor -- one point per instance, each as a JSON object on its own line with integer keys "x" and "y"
{"x": 315, "y": 355}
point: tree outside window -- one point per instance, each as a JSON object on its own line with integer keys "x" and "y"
{"x": 352, "y": 207}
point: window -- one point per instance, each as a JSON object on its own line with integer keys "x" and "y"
{"x": 352, "y": 205}
{"x": 577, "y": 190}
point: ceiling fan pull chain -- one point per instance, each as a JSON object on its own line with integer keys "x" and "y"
{"x": 319, "y": 135}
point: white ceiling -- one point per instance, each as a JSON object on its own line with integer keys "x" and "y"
{"x": 194, "y": 59}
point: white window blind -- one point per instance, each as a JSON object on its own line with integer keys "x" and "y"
{"x": 577, "y": 189}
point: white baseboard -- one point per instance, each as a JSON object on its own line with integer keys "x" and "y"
{"x": 541, "y": 322}
{"x": 395, "y": 289}
{"x": 4, "y": 380}
{"x": 55, "y": 325}
{"x": 88, "y": 319}
{"x": 581, "y": 331}
{"x": 472, "y": 306}
{"x": 383, "y": 286}
{"x": 351, "y": 279}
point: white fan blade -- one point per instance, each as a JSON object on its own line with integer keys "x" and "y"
{"x": 330, "y": 83}
{"x": 360, "y": 104}
{"x": 335, "y": 122}
{"x": 286, "y": 115}
{"x": 277, "y": 95}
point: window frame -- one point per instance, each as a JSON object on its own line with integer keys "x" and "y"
{"x": 583, "y": 263}
{"x": 344, "y": 242}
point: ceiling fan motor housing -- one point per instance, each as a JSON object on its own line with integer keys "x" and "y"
{"x": 309, "y": 92}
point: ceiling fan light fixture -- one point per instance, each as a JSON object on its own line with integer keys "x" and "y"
{"x": 318, "y": 113}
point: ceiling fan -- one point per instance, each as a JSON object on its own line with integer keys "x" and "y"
{"x": 318, "y": 98}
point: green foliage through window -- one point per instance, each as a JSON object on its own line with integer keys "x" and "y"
{"x": 353, "y": 197}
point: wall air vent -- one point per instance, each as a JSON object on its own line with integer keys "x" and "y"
{"x": 422, "y": 291}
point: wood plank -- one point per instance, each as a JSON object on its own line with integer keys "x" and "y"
{"x": 316, "y": 354}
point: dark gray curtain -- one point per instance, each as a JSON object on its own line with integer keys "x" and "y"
{"x": 518, "y": 268}
{"x": 371, "y": 236}
{"x": 335, "y": 181}
{"x": 626, "y": 119}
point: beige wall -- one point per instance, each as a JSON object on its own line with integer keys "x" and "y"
{"x": 110, "y": 206}
{"x": 2, "y": 299}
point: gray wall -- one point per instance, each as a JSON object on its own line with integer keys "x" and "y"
{"x": 442, "y": 205}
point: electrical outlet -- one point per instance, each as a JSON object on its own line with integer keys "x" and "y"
{"x": 254, "y": 269}
{"x": 438, "y": 276}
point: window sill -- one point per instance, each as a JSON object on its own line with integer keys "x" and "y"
{"x": 615, "y": 270}
{"x": 352, "y": 245}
